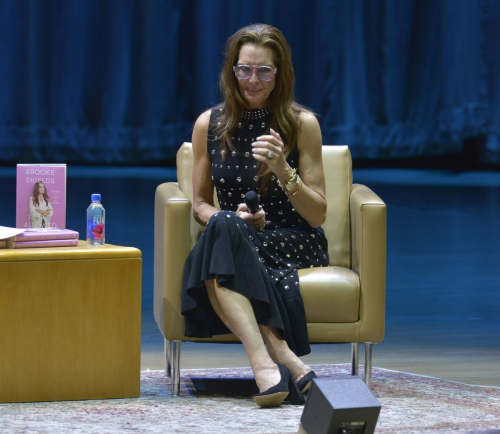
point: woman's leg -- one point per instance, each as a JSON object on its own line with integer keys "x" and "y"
{"x": 280, "y": 353}
{"x": 236, "y": 312}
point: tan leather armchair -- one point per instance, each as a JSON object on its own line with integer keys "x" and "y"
{"x": 344, "y": 303}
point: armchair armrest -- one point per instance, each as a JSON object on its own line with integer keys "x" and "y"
{"x": 172, "y": 244}
{"x": 368, "y": 259}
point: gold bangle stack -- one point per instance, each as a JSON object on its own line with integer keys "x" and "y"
{"x": 293, "y": 185}
{"x": 297, "y": 188}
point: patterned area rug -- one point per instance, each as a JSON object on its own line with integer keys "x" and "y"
{"x": 216, "y": 401}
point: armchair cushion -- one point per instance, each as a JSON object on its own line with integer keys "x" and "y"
{"x": 330, "y": 294}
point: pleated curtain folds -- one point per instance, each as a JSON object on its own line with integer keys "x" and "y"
{"x": 122, "y": 81}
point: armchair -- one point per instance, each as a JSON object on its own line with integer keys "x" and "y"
{"x": 344, "y": 303}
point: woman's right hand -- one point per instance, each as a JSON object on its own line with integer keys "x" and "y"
{"x": 257, "y": 220}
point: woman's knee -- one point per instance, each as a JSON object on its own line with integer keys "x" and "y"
{"x": 228, "y": 218}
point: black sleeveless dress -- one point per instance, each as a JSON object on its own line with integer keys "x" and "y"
{"x": 262, "y": 265}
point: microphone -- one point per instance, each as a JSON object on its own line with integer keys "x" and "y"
{"x": 252, "y": 201}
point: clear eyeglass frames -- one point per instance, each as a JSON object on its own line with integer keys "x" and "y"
{"x": 264, "y": 72}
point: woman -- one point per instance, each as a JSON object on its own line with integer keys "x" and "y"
{"x": 242, "y": 274}
{"x": 40, "y": 208}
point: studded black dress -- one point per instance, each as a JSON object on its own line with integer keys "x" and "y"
{"x": 262, "y": 265}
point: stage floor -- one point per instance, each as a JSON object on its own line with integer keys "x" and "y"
{"x": 443, "y": 266}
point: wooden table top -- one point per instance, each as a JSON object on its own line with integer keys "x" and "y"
{"x": 82, "y": 251}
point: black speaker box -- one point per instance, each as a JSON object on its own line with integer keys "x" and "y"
{"x": 340, "y": 405}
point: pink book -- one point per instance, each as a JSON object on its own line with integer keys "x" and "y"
{"x": 44, "y": 234}
{"x": 41, "y": 243}
{"x": 41, "y": 196}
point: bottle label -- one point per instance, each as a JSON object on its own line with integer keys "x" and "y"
{"x": 96, "y": 228}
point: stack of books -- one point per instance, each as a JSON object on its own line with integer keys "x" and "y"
{"x": 44, "y": 237}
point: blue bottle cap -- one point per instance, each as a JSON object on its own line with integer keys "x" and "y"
{"x": 96, "y": 197}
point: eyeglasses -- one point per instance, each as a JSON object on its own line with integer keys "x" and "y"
{"x": 265, "y": 73}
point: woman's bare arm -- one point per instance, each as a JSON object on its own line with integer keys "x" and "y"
{"x": 203, "y": 186}
{"x": 310, "y": 200}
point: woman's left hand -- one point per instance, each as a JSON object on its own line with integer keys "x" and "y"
{"x": 257, "y": 220}
{"x": 269, "y": 150}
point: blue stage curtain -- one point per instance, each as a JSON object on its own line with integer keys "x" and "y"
{"x": 122, "y": 81}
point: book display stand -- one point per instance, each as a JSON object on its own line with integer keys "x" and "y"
{"x": 70, "y": 321}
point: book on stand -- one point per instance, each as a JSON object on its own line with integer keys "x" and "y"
{"x": 41, "y": 196}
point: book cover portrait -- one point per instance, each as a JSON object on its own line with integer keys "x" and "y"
{"x": 41, "y": 196}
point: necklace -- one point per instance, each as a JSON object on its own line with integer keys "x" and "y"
{"x": 256, "y": 114}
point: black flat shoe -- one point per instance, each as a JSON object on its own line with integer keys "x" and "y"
{"x": 275, "y": 395}
{"x": 305, "y": 382}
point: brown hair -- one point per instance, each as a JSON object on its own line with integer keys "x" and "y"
{"x": 285, "y": 110}
{"x": 34, "y": 196}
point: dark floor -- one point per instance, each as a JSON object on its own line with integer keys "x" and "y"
{"x": 443, "y": 265}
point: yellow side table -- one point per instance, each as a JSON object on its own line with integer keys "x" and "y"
{"x": 70, "y": 323}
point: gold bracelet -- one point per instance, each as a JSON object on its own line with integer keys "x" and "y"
{"x": 291, "y": 183}
{"x": 298, "y": 187}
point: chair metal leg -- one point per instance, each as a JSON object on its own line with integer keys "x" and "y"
{"x": 368, "y": 363}
{"x": 176, "y": 367}
{"x": 354, "y": 358}
{"x": 167, "y": 351}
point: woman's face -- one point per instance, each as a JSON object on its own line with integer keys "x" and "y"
{"x": 41, "y": 188}
{"x": 256, "y": 91}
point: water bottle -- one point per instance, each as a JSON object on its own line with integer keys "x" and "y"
{"x": 95, "y": 221}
